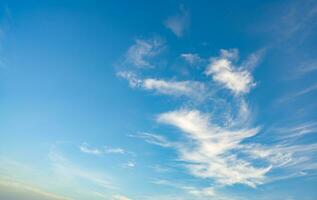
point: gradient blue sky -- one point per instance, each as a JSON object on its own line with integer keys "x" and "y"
{"x": 158, "y": 100}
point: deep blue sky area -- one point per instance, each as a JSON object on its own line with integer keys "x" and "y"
{"x": 158, "y": 100}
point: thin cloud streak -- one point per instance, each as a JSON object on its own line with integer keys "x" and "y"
{"x": 296, "y": 95}
{"x": 191, "y": 89}
{"x": 85, "y": 148}
{"x": 89, "y": 150}
{"x": 63, "y": 168}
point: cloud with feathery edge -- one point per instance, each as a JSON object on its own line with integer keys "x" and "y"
{"x": 178, "y": 23}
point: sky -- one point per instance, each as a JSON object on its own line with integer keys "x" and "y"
{"x": 158, "y": 100}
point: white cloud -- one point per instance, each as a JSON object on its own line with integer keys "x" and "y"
{"x": 140, "y": 53}
{"x": 177, "y": 88}
{"x": 178, "y": 23}
{"x": 120, "y": 197}
{"x": 225, "y": 152}
{"x": 192, "y": 89}
{"x": 154, "y": 139}
{"x": 222, "y": 153}
{"x": 204, "y": 192}
{"x": 294, "y": 158}
{"x": 191, "y": 58}
{"x": 212, "y": 155}
{"x": 223, "y": 71}
{"x": 132, "y": 78}
{"x": 115, "y": 150}
{"x": 129, "y": 164}
{"x": 86, "y": 149}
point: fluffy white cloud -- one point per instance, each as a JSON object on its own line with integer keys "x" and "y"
{"x": 178, "y": 23}
{"x": 193, "y": 89}
{"x": 140, "y": 53}
{"x": 222, "y": 69}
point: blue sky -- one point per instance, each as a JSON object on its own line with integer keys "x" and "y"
{"x": 165, "y": 100}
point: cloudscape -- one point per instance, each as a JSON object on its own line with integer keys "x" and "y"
{"x": 158, "y": 100}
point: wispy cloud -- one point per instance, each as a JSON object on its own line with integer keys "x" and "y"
{"x": 253, "y": 59}
{"x": 297, "y": 19}
{"x": 120, "y": 197}
{"x": 198, "y": 192}
{"x": 86, "y": 149}
{"x": 303, "y": 69}
{"x": 298, "y": 130}
{"x": 177, "y": 88}
{"x": 294, "y": 96}
{"x": 192, "y": 89}
{"x": 225, "y": 151}
{"x": 178, "y": 23}
{"x": 212, "y": 155}
{"x": 305, "y": 91}
{"x": 235, "y": 78}
{"x": 293, "y": 160}
{"x": 215, "y": 152}
{"x": 154, "y": 139}
{"x": 115, "y": 150}
{"x": 63, "y": 168}
{"x": 129, "y": 164}
{"x": 142, "y": 51}
{"x": 191, "y": 58}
